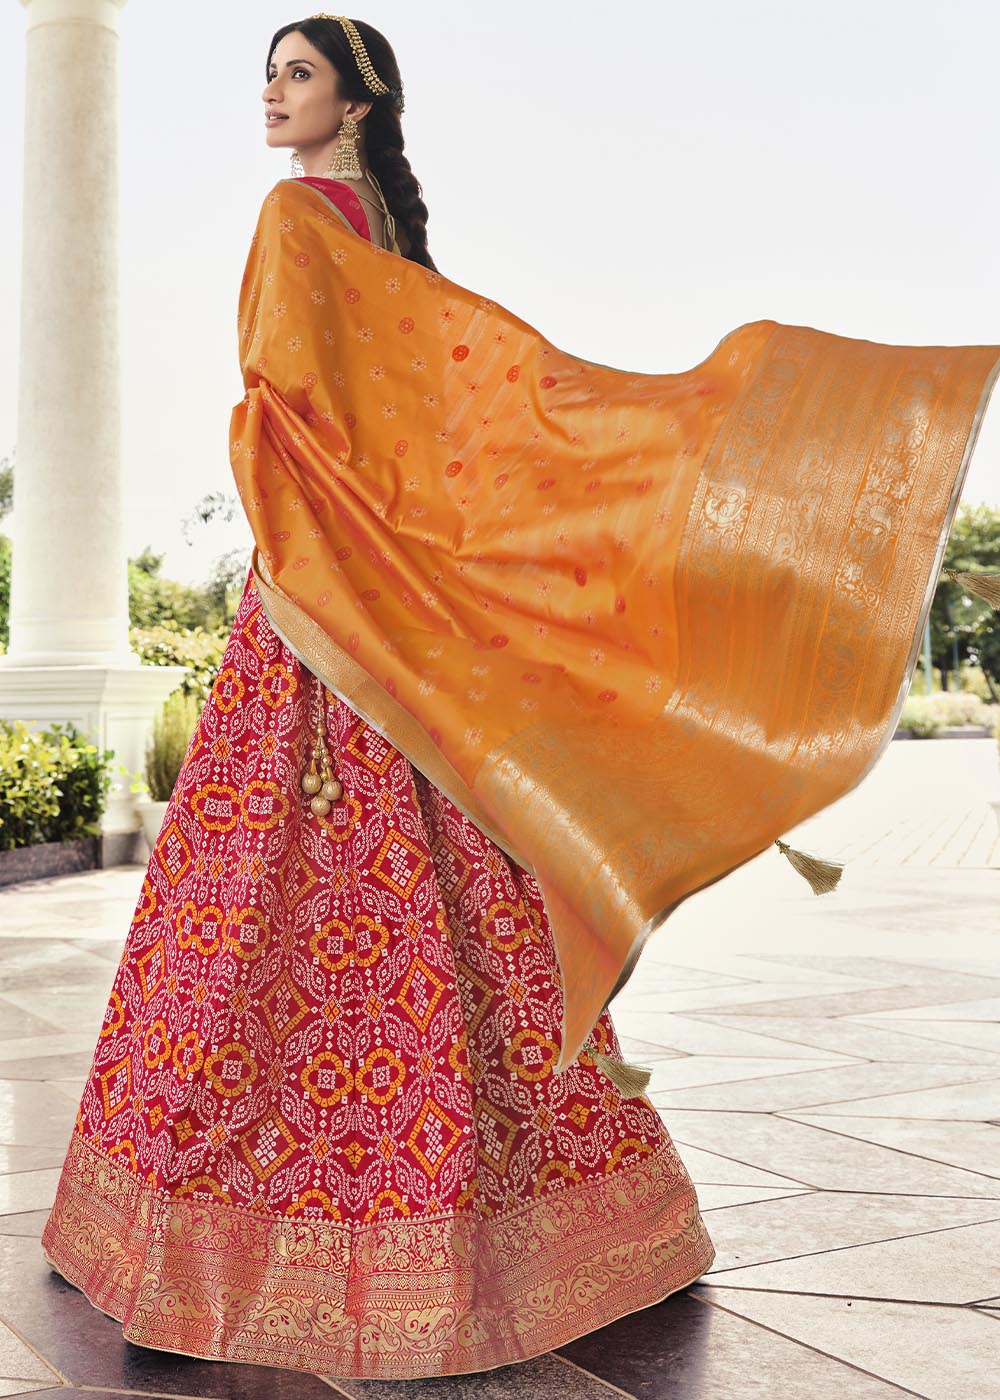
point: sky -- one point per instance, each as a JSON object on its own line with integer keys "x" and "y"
{"x": 634, "y": 180}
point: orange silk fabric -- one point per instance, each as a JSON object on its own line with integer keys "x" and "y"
{"x": 636, "y": 625}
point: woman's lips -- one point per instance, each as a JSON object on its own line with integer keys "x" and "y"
{"x": 273, "y": 118}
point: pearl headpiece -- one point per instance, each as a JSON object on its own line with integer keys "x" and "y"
{"x": 365, "y": 67}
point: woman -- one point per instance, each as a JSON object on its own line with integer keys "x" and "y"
{"x": 323, "y": 1128}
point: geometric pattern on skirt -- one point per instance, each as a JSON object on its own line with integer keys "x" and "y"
{"x": 321, "y": 1128}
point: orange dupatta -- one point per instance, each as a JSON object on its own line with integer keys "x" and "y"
{"x": 636, "y": 626}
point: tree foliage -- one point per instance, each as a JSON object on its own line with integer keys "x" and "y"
{"x": 6, "y": 485}
{"x": 153, "y": 599}
{"x": 961, "y": 623}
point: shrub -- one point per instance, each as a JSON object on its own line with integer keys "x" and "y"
{"x": 172, "y": 732}
{"x": 972, "y": 679}
{"x": 193, "y": 647}
{"x": 53, "y": 784}
{"x": 927, "y": 714}
{"x": 5, "y": 553}
{"x": 918, "y": 716}
{"x": 957, "y": 707}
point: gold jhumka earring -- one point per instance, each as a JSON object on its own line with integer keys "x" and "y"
{"x": 346, "y": 164}
{"x": 319, "y": 781}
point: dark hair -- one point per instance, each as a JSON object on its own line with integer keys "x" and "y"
{"x": 382, "y": 129}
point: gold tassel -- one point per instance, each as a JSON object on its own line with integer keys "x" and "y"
{"x": 823, "y": 875}
{"x": 985, "y": 586}
{"x": 629, "y": 1080}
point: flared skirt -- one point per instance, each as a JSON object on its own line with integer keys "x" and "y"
{"x": 321, "y": 1129}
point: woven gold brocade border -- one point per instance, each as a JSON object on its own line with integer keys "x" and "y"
{"x": 395, "y": 1300}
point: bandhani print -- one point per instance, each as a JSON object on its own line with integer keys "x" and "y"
{"x": 323, "y": 1127}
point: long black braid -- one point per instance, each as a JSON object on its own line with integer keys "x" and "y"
{"x": 383, "y": 129}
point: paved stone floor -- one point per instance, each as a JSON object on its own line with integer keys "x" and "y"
{"x": 828, "y": 1066}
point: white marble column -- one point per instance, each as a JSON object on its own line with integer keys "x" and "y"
{"x": 69, "y": 655}
{"x": 69, "y": 600}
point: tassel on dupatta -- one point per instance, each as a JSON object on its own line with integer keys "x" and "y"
{"x": 985, "y": 586}
{"x": 629, "y": 1080}
{"x": 823, "y": 875}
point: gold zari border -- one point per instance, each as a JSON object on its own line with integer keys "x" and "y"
{"x": 396, "y": 1299}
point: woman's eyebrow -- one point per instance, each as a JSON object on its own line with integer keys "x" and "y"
{"x": 294, "y": 62}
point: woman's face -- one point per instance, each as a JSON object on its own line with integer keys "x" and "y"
{"x": 301, "y": 103}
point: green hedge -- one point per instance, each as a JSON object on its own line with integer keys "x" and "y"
{"x": 53, "y": 784}
{"x": 193, "y": 647}
{"x": 926, "y": 714}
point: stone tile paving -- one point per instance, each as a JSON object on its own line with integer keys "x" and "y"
{"x": 829, "y": 1068}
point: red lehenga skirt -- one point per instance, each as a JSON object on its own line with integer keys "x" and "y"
{"x": 321, "y": 1129}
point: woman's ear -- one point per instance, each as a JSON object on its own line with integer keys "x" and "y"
{"x": 358, "y": 110}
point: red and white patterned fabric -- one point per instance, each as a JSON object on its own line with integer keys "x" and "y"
{"x": 321, "y": 1129}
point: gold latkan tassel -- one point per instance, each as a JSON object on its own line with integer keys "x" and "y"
{"x": 985, "y": 586}
{"x": 629, "y": 1080}
{"x": 319, "y": 782}
{"x": 823, "y": 875}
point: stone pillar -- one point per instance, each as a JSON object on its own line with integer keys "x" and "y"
{"x": 69, "y": 655}
{"x": 69, "y": 600}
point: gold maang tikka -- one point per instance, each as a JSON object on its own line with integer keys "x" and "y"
{"x": 365, "y": 67}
